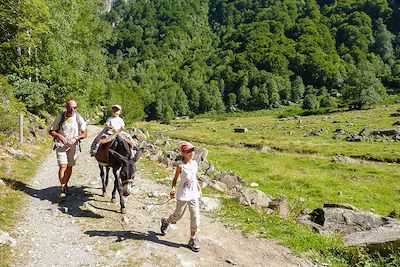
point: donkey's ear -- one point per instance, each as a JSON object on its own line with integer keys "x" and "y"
{"x": 139, "y": 152}
{"x": 117, "y": 155}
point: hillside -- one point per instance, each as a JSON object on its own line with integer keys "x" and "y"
{"x": 165, "y": 59}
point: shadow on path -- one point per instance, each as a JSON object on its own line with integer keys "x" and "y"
{"x": 72, "y": 204}
{"x": 123, "y": 235}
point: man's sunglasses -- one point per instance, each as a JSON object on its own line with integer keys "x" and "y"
{"x": 72, "y": 107}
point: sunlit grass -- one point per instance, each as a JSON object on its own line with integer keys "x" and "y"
{"x": 310, "y": 181}
{"x": 296, "y": 134}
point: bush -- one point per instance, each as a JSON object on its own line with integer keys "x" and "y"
{"x": 10, "y": 108}
{"x": 310, "y": 101}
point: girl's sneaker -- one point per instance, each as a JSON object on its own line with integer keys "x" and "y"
{"x": 194, "y": 244}
{"x": 164, "y": 226}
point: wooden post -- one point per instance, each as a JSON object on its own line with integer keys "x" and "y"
{"x": 21, "y": 128}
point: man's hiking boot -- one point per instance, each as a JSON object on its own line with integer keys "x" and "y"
{"x": 194, "y": 244}
{"x": 63, "y": 193}
{"x": 164, "y": 226}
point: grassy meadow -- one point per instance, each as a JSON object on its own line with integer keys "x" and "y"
{"x": 300, "y": 167}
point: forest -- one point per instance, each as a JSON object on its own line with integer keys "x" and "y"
{"x": 171, "y": 58}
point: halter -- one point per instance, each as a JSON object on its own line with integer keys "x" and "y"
{"x": 128, "y": 181}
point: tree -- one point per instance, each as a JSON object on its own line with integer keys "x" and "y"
{"x": 383, "y": 41}
{"x": 310, "y": 101}
{"x": 297, "y": 89}
{"x": 363, "y": 88}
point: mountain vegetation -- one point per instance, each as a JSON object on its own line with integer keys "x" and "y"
{"x": 164, "y": 59}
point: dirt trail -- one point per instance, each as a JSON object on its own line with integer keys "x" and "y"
{"x": 88, "y": 230}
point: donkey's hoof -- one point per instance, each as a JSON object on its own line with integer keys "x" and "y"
{"x": 114, "y": 200}
{"x": 123, "y": 210}
{"x": 104, "y": 194}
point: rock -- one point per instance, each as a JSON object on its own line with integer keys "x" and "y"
{"x": 266, "y": 149}
{"x": 344, "y": 221}
{"x": 230, "y": 179}
{"x": 210, "y": 169}
{"x": 254, "y": 198}
{"x": 354, "y": 138}
{"x": 240, "y": 130}
{"x": 156, "y": 194}
{"x": 383, "y": 239}
{"x": 209, "y": 204}
{"x": 281, "y": 205}
{"x": 219, "y": 186}
{"x": 5, "y": 238}
{"x": 340, "y": 131}
{"x": 200, "y": 156}
{"x": 386, "y": 132}
{"x": 319, "y": 132}
{"x": 344, "y": 159}
{"x": 204, "y": 180}
{"x": 16, "y": 153}
{"x": 365, "y": 132}
{"x": 254, "y": 184}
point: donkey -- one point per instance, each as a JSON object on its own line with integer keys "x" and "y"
{"x": 122, "y": 160}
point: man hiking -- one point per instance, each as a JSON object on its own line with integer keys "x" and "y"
{"x": 67, "y": 129}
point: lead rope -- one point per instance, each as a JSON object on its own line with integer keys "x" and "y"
{"x": 155, "y": 204}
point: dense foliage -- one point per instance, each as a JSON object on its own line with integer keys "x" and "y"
{"x": 53, "y": 50}
{"x": 198, "y": 56}
{"x": 180, "y": 57}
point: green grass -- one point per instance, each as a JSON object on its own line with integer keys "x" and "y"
{"x": 294, "y": 134}
{"x": 16, "y": 173}
{"x": 301, "y": 168}
{"x": 310, "y": 181}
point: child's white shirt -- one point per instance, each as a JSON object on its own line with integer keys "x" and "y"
{"x": 115, "y": 122}
{"x": 188, "y": 189}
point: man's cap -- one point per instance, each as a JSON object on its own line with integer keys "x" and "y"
{"x": 187, "y": 147}
{"x": 117, "y": 106}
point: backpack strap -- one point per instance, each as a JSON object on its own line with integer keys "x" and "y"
{"x": 63, "y": 115}
{"x": 62, "y": 120}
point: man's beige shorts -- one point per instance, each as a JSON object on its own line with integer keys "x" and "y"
{"x": 66, "y": 156}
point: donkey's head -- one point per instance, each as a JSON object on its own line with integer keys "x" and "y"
{"x": 128, "y": 168}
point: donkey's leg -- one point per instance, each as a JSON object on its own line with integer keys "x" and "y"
{"x": 103, "y": 184}
{"x": 118, "y": 186}
{"x": 107, "y": 175}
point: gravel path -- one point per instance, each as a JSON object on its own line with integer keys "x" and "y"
{"x": 88, "y": 230}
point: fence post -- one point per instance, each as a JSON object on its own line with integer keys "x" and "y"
{"x": 21, "y": 128}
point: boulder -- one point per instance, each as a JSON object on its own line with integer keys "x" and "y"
{"x": 365, "y": 132}
{"x": 210, "y": 169}
{"x": 383, "y": 239}
{"x": 344, "y": 159}
{"x": 281, "y": 205}
{"x": 230, "y": 179}
{"x": 358, "y": 228}
{"x": 204, "y": 180}
{"x": 219, "y": 186}
{"x": 344, "y": 220}
{"x": 208, "y": 204}
{"x": 254, "y": 198}
{"x": 386, "y": 132}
